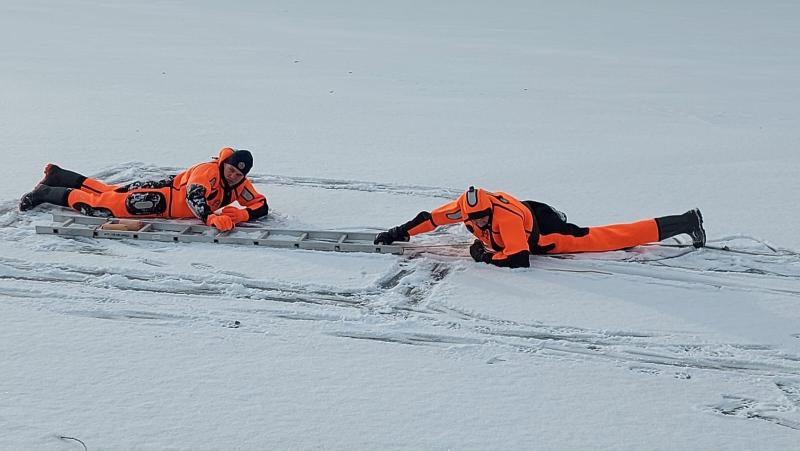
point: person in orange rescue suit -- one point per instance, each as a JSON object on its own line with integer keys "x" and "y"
{"x": 509, "y": 230}
{"x": 198, "y": 192}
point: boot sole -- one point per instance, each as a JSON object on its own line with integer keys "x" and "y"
{"x": 26, "y": 202}
{"x": 702, "y": 241}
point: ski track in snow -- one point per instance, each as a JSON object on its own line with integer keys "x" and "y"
{"x": 402, "y": 306}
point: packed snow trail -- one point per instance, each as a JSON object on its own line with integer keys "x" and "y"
{"x": 402, "y": 298}
{"x": 409, "y": 300}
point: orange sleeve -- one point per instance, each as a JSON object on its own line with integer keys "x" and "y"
{"x": 249, "y": 197}
{"x": 254, "y": 202}
{"x": 449, "y": 213}
{"x": 512, "y": 232}
{"x": 201, "y": 175}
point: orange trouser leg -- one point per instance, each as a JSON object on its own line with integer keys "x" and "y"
{"x": 136, "y": 203}
{"x": 603, "y": 238}
{"x": 96, "y": 186}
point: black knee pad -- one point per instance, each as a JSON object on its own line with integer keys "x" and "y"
{"x": 146, "y": 203}
{"x": 146, "y": 184}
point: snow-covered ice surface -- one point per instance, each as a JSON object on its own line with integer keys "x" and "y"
{"x": 360, "y": 114}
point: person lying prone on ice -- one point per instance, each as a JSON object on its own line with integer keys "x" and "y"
{"x": 197, "y": 192}
{"x": 509, "y": 230}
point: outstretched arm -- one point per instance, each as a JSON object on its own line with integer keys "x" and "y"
{"x": 425, "y": 221}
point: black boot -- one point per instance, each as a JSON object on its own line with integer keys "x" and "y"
{"x": 690, "y": 223}
{"x": 44, "y": 194}
{"x": 55, "y": 176}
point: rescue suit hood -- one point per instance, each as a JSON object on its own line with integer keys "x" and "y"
{"x": 475, "y": 203}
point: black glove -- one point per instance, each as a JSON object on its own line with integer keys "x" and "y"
{"x": 390, "y": 236}
{"x": 479, "y": 253}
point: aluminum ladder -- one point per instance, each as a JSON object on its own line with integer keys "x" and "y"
{"x": 69, "y": 224}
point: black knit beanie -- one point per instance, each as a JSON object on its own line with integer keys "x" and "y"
{"x": 241, "y": 160}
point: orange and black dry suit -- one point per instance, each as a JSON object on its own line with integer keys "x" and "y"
{"x": 517, "y": 229}
{"x": 194, "y": 193}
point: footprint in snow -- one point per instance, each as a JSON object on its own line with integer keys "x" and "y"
{"x": 231, "y": 324}
{"x": 644, "y": 370}
{"x": 751, "y": 409}
{"x": 790, "y": 389}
